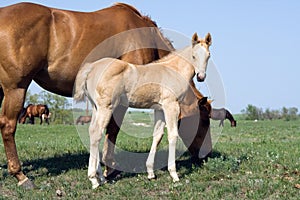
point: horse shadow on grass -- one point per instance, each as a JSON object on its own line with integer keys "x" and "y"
{"x": 59, "y": 164}
{"x": 53, "y": 166}
{"x": 185, "y": 161}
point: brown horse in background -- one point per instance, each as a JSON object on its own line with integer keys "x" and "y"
{"x": 222, "y": 114}
{"x": 83, "y": 119}
{"x": 32, "y": 111}
{"x": 49, "y": 45}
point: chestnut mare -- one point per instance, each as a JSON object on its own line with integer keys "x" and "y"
{"x": 49, "y": 45}
{"x": 160, "y": 85}
{"x": 32, "y": 111}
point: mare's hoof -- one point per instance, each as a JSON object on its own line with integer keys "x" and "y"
{"x": 27, "y": 184}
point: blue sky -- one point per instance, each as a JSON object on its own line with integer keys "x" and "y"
{"x": 256, "y": 44}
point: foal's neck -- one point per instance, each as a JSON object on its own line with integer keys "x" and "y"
{"x": 181, "y": 61}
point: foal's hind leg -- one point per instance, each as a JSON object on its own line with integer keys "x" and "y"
{"x": 112, "y": 131}
{"x": 98, "y": 124}
{"x": 159, "y": 124}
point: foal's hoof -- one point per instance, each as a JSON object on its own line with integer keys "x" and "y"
{"x": 174, "y": 176}
{"x": 27, "y": 184}
{"x": 151, "y": 175}
{"x": 176, "y": 179}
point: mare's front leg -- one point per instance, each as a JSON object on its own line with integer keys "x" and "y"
{"x": 171, "y": 111}
{"x": 159, "y": 124}
{"x": 12, "y": 105}
{"x": 98, "y": 124}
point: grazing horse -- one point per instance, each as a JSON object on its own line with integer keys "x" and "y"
{"x": 49, "y": 45}
{"x": 32, "y": 111}
{"x": 83, "y": 119}
{"x": 160, "y": 85}
{"x": 222, "y": 114}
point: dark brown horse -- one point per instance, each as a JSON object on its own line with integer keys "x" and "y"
{"x": 83, "y": 119}
{"x": 49, "y": 45}
{"x": 31, "y": 111}
{"x": 222, "y": 114}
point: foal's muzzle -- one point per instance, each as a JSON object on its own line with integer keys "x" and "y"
{"x": 201, "y": 77}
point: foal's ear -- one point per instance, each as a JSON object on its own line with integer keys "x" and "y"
{"x": 208, "y": 39}
{"x": 195, "y": 39}
{"x": 202, "y": 101}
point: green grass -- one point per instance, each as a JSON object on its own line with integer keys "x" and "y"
{"x": 256, "y": 160}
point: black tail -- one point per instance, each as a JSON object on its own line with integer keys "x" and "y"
{"x": 46, "y": 110}
{"x": 1, "y": 96}
{"x": 22, "y": 114}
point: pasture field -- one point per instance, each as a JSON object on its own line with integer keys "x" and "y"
{"x": 255, "y": 160}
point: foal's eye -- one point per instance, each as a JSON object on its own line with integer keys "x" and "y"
{"x": 194, "y": 57}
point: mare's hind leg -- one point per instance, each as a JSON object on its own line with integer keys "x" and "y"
{"x": 12, "y": 105}
{"x": 98, "y": 124}
{"x": 171, "y": 111}
{"x": 159, "y": 124}
{"x": 112, "y": 131}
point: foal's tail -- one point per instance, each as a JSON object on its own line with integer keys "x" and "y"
{"x": 80, "y": 88}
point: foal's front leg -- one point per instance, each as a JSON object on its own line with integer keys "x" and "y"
{"x": 98, "y": 124}
{"x": 171, "y": 111}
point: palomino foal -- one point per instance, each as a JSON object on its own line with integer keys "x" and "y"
{"x": 161, "y": 86}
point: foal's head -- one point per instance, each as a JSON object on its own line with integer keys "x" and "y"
{"x": 200, "y": 55}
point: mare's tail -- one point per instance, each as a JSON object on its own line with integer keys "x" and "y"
{"x": 79, "y": 91}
